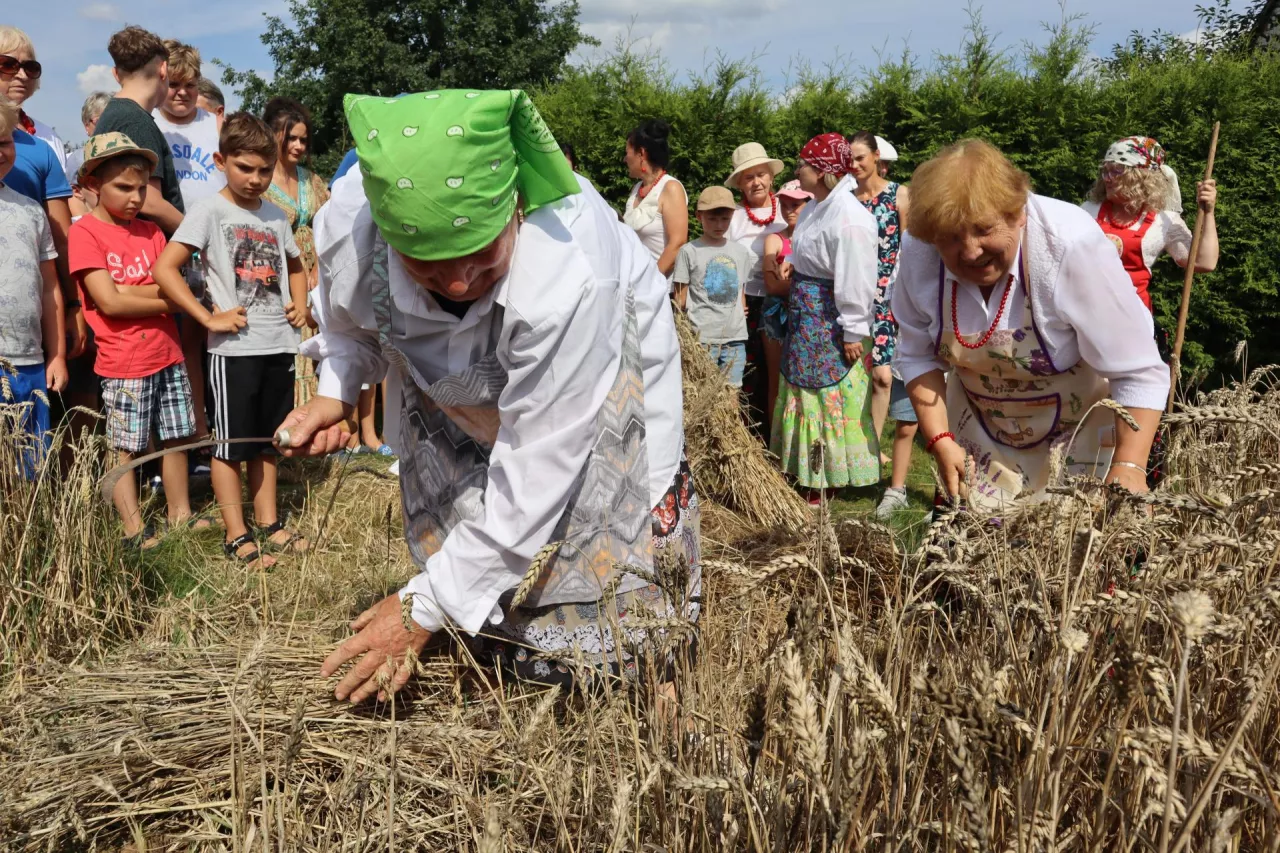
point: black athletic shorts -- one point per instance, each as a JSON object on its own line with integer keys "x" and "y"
{"x": 252, "y": 394}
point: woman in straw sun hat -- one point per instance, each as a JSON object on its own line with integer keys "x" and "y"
{"x": 535, "y": 369}
{"x": 752, "y": 174}
{"x": 1024, "y": 300}
{"x": 822, "y": 421}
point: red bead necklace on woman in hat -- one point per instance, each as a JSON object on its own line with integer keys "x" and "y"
{"x": 773, "y": 213}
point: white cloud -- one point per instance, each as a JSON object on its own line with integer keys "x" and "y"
{"x": 100, "y": 12}
{"x": 96, "y": 78}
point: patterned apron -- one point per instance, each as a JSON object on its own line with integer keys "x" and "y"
{"x": 448, "y": 430}
{"x": 1010, "y": 405}
{"x": 813, "y": 353}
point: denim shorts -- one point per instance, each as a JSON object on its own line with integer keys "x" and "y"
{"x": 900, "y": 408}
{"x": 731, "y": 358}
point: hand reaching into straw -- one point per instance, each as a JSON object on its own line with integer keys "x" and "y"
{"x": 386, "y": 645}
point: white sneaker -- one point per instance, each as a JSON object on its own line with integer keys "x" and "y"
{"x": 894, "y": 500}
{"x": 394, "y": 470}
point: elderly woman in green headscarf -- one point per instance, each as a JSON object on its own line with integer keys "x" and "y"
{"x": 536, "y": 383}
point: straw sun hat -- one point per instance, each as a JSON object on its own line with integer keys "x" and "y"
{"x": 747, "y": 156}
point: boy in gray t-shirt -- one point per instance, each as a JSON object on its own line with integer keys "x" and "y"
{"x": 709, "y": 276}
{"x": 255, "y": 281}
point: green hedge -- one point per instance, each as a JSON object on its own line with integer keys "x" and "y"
{"x": 1053, "y": 109}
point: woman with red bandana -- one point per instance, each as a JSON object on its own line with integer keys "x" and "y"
{"x": 822, "y": 430}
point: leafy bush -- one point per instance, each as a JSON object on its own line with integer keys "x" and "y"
{"x": 1052, "y": 108}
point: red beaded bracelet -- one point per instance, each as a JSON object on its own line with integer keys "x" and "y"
{"x": 937, "y": 438}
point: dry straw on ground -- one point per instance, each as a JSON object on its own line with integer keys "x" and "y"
{"x": 1021, "y": 686}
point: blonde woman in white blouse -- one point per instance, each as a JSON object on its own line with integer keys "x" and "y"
{"x": 1023, "y": 299}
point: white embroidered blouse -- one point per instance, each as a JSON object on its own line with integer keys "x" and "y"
{"x": 837, "y": 238}
{"x": 1084, "y": 303}
{"x": 559, "y": 337}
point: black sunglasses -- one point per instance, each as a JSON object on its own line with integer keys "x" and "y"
{"x": 9, "y": 67}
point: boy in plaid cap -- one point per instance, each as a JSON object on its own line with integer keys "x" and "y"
{"x": 144, "y": 377}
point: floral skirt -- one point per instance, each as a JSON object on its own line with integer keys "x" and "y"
{"x": 824, "y": 436}
{"x": 550, "y": 645}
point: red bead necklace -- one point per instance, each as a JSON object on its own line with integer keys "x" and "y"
{"x": 955, "y": 324}
{"x": 773, "y": 214}
{"x": 644, "y": 191}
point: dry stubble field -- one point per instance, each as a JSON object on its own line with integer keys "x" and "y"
{"x": 1093, "y": 674}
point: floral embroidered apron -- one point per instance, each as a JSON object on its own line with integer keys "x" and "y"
{"x": 448, "y": 429}
{"x": 1128, "y": 243}
{"x": 1009, "y": 405}
{"x": 813, "y": 353}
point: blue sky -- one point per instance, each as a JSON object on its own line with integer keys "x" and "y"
{"x": 71, "y": 35}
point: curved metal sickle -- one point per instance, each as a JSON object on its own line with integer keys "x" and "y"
{"x": 109, "y": 480}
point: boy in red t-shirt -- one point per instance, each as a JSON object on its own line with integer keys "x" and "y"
{"x": 144, "y": 378}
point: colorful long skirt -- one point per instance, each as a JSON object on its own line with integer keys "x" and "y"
{"x": 824, "y": 436}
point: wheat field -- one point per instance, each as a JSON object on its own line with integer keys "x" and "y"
{"x": 1092, "y": 673}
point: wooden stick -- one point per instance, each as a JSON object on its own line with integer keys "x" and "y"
{"x": 1175, "y": 363}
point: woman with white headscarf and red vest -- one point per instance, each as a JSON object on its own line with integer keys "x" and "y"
{"x": 1138, "y": 206}
{"x": 822, "y": 430}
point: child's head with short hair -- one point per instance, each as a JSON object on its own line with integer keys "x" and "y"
{"x": 184, "y": 79}
{"x": 247, "y": 153}
{"x": 117, "y": 171}
{"x": 8, "y": 122}
{"x": 715, "y": 211}
{"x": 140, "y": 55}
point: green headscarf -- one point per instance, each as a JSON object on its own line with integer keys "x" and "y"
{"x": 442, "y": 169}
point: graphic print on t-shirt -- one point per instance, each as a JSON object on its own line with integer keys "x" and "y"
{"x": 257, "y": 256}
{"x": 721, "y": 280}
{"x": 191, "y": 162}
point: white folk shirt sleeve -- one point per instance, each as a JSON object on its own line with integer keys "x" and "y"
{"x": 855, "y": 277}
{"x": 560, "y": 372}
{"x": 914, "y": 306}
{"x": 1094, "y": 296}
{"x": 837, "y": 239}
{"x": 347, "y": 343}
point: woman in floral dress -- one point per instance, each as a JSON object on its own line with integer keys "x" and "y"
{"x": 822, "y": 430}
{"x": 299, "y": 192}
{"x": 887, "y": 201}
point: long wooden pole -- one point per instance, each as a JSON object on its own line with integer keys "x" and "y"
{"x": 1175, "y": 363}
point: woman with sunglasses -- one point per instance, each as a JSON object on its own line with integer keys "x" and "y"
{"x": 19, "y": 80}
{"x": 1138, "y": 206}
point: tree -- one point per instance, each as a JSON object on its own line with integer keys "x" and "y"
{"x": 387, "y": 47}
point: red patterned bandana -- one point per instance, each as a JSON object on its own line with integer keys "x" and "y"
{"x": 27, "y": 124}
{"x": 828, "y": 153}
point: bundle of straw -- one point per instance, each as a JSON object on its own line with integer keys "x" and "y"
{"x": 729, "y": 464}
